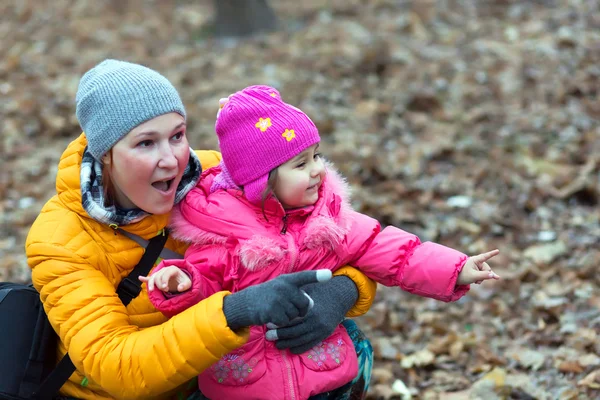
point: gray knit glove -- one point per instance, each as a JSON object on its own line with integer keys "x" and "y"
{"x": 278, "y": 301}
{"x": 332, "y": 300}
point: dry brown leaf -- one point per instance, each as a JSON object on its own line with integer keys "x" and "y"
{"x": 419, "y": 359}
{"x": 570, "y": 366}
{"x": 592, "y": 380}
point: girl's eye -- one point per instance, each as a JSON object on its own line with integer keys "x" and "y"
{"x": 300, "y": 165}
{"x": 317, "y": 156}
{"x": 145, "y": 143}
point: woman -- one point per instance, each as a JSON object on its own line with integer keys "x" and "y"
{"x": 126, "y": 171}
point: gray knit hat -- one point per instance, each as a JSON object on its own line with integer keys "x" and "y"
{"x": 116, "y": 96}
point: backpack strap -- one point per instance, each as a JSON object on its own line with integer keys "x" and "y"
{"x": 166, "y": 253}
{"x": 131, "y": 286}
{"x": 128, "y": 289}
{"x": 37, "y": 363}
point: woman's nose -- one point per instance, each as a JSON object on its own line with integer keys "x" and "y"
{"x": 167, "y": 158}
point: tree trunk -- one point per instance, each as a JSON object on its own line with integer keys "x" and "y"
{"x": 243, "y": 17}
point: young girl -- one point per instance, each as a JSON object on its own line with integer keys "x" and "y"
{"x": 274, "y": 206}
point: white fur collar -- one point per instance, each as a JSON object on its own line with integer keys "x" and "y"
{"x": 326, "y": 227}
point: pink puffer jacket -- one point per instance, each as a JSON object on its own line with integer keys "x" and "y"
{"x": 234, "y": 247}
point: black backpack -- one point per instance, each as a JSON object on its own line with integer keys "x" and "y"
{"x": 28, "y": 342}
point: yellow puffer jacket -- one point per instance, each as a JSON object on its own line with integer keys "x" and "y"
{"x": 121, "y": 352}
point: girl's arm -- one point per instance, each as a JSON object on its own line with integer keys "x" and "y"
{"x": 395, "y": 257}
{"x": 205, "y": 267}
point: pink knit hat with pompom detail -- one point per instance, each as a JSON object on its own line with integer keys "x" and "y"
{"x": 258, "y": 132}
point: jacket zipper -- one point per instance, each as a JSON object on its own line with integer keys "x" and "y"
{"x": 288, "y": 368}
{"x": 284, "y": 229}
{"x": 293, "y": 249}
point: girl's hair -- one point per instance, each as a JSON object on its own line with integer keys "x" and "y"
{"x": 269, "y": 190}
{"x": 108, "y": 187}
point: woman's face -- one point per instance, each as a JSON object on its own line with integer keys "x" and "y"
{"x": 146, "y": 166}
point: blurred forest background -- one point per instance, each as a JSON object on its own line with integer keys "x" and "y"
{"x": 471, "y": 123}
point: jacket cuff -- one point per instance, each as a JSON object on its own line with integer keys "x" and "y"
{"x": 366, "y": 290}
{"x": 457, "y": 291}
{"x": 236, "y": 311}
{"x": 171, "y": 304}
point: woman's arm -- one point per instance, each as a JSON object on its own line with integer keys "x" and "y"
{"x": 133, "y": 363}
{"x": 365, "y": 286}
{"x": 127, "y": 362}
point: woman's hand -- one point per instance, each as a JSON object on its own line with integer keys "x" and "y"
{"x": 169, "y": 279}
{"x": 477, "y": 270}
{"x": 332, "y": 300}
{"x": 278, "y": 301}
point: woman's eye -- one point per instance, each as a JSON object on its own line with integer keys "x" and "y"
{"x": 145, "y": 143}
{"x": 178, "y": 136}
{"x": 300, "y": 165}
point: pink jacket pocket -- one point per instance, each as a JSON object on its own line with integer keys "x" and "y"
{"x": 328, "y": 365}
{"x": 239, "y": 368}
{"x": 330, "y": 353}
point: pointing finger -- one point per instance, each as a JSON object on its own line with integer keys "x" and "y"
{"x": 485, "y": 256}
{"x": 305, "y": 277}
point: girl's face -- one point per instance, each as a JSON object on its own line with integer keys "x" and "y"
{"x": 146, "y": 166}
{"x": 299, "y": 179}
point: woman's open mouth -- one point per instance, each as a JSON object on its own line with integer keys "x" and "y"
{"x": 163, "y": 186}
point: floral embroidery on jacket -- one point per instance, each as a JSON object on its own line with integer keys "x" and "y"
{"x": 233, "y": 365}
{"x": 333, "y": 349}
{"x": 326, "y": 349}
{"x": 317, "y": 354}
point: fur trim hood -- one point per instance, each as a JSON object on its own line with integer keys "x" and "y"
{"x": 225, "y": 217}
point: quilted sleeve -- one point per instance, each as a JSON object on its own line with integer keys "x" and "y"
{"x": 394, "y": 257}
{"x": 128, "y": 363}
{"x": 366, "y": 290}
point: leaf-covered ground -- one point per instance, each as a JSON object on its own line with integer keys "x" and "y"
{"x": 471, "y": 123}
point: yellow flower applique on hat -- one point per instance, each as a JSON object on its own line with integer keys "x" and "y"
{"x": 288, "y": 134}
{"x": 263, "y": 124}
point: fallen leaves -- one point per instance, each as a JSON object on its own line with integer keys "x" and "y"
{"x": 419, "y": 359}
{"x": 528, "y": 358}
{"x": 592, "y": 380}
{"x": 545, "y": 253}
{"x": 475, "y": 125}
